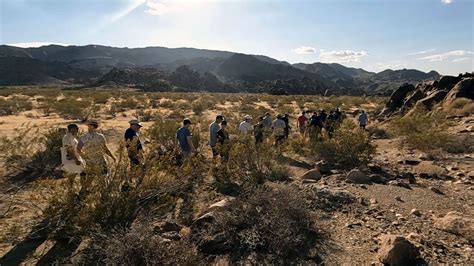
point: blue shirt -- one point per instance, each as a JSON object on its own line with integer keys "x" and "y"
{"x": 182, "y": 136}
{"x": 130, "y": 135}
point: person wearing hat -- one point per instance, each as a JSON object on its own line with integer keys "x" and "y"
{"x": 133, "y": 143}
{"x": 92, "y": 146}
{"x": 279, "y": 129}
{"x": 184, "y": 141}
{"x": 213, "y": 128}
{"x": 246, "y": 125}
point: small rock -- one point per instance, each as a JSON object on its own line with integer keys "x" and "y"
{"x": 426, "y": 157}
{"x": 313, "y": 174}
{"x": 397, "y": 250}
{"x": 436, "y": 190}
{"x": 414, "y": 237}
{"x": 220, "y": 204}
{"x": 373, "y": 201}
{"x": 378, "y": 179}
{"x": 162, "y": 227}
{"x": 171, "y": 235}
{"x": 398, "y": 198}
{"x": 415, "y": 212}
{"x": 358, "y": 177}
{"x": 412, "y": 161}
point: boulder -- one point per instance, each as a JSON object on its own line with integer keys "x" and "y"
{"x": 411, "y": 99}
{"x": 378, "y": 179}
{"x": 397, "y": 250}
{"x": 463, "y": 89}
{"x": 163, "y": 227}
{"x": 456, "y": 223}
{"x": 447, "y": 82}
{"x": 313, "y": 174}
{"x": 323, "y": 167}
{"x": 358, "y": 177}
{"x": 432, "y": 99}
{"x": 397, "y": 98}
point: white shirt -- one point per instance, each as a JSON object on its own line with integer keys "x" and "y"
{"x": 93, "y": 147}
{"x": 245, "y": 127}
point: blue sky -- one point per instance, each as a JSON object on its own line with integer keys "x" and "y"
{"x": 372, "y": 34}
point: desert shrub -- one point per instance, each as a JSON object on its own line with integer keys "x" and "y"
{"x": 14, "y": 105}
{"x": 145, "y": 115}
{"x": 140, "y": 245}
{"x": 420, "y": 130}
{"x": 70, "y": 108}
{"x": 460, "y": 106}
{"x": 31, "y": 153}
{"x": 251, "y": 165}
{"x": 127, "y": 103}
{"x": 262, "y": 220}
{"x": 348, "y": 148}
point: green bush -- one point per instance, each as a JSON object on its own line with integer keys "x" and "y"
{"x": 420, "y": 130}
{"x": 349, "y": 147}
{"x": 14, "y": 105}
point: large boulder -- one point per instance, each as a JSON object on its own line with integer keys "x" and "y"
{"x": 397, "y": 98}
{"x": 432, "y": 99}
{"x": 456, "y": 223}
{"x": 447, "y": 82}
{"x": 463, "y": 89}
{"x": 412, "y": 98}
{"x": 397, "y": 250}
{"x": 312, "y": 174}
{"x": 358, "y": 177}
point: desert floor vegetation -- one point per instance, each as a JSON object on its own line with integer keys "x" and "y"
{"x": 297, "y": 203}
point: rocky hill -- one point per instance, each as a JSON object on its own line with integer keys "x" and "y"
{"x": 427, "y": 94}
{"x": 91, "y": 63}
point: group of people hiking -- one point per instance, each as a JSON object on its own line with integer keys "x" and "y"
{"x": 89, "y": 150}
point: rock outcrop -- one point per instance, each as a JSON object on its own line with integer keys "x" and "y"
{"x": 428, "y": 94}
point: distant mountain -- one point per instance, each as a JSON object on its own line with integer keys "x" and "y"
{"x": 96, "y": 64}
{"x": 24, "y": 70}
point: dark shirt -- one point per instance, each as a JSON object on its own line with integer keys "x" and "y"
{"x": 323, "y": 116}
{"x": 315, "y": 121}
{"x": 182, "y": 135}
{"x": 285, "y": 119}
{"x": 258, "y": 132}
{"x": 222, "y": 136}
{"x": 130, "y": 136}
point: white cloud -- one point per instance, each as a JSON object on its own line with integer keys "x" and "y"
{"x": 462, "y": 59}
{"x": 343, "y": 56}
{"x": 34, "y": 44}
{"x": 447, "y": 55}
{"x": 423, "y": 52}
{"x": 305, "y": 50}
{"x": 447, "y": 2}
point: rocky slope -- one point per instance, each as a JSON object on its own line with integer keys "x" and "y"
{"x": 428, "y": 94}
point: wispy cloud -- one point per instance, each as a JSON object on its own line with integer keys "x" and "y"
{"x": 423, "y": 52}
{"x": 447, "y": 2}
{"x": 462, "y": 59}
{"x": 305, "y": 50}
{"x": 156, "y": 8}
{"x": 35, "y": 44}
{"x": 343, "y": 56}
{"x": 447, "y": 55}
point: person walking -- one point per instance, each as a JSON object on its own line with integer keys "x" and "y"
{"x": 363, "y": 119}
{"x": 267, "y": 121}
{"x": 316, "y": 126}
{"x": 286, "y": 119}
{"x": 279, "y": 129}
{"x": 301, "y": 123}
{"x": 184, "y": 146}
{"x": 71, "y": 161}
{"x": 214, "y": 127}
{"x": 259, "y": 131}
{"x": 133, "y": 143}
{"x": 223, "y": 142}
{"x": 245, "y": 126}
{"x": 92, "y": 146}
